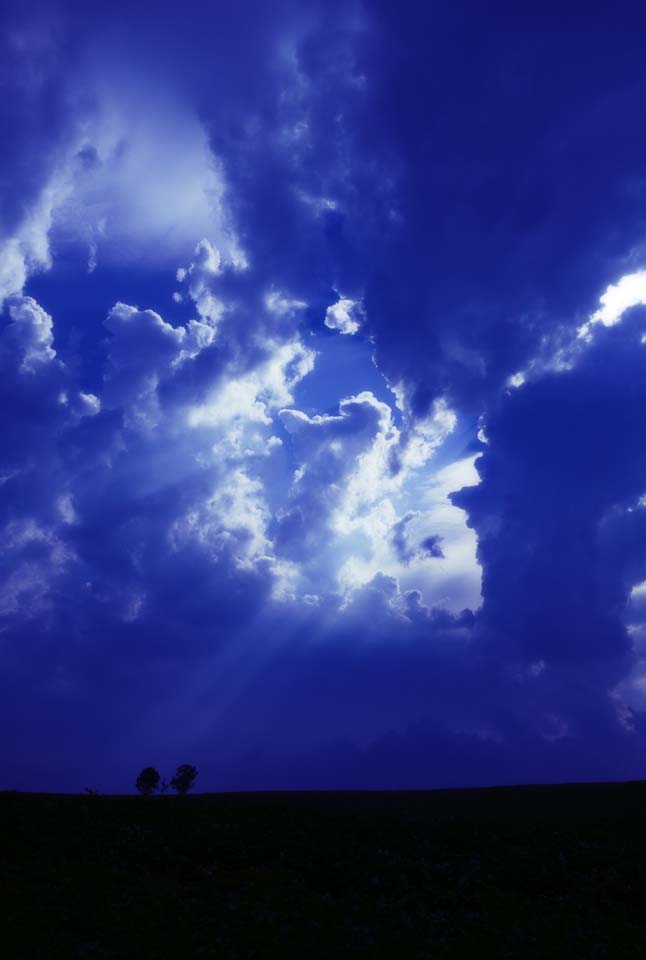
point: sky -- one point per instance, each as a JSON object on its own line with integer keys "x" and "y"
{"x": 322, "y": 393}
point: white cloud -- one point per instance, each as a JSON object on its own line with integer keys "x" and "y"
{"x": 26, "y": 250}
{"x": 233, "y": 518}
{"x": 383, "y": 469}
{"x": 345, "y": 316}
{"x": 31, "y": 333}
{"x": 559, "y": 353}
{"x": 256, "y": 394}
{"x": 282, "y": 305}
{"x": 87, "y": 405}
{"x": 629, "y": 291}
{"x": 198, "y": 278}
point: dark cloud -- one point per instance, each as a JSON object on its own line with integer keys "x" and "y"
{"x": 443, "y": 171}
{"x": 559, "y": 523}
{"x": 35, "y": 118}
{"x": 428, "y": 547}
{"x": 432, "y": 546}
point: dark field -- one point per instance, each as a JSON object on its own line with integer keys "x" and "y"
{"x": 522, "y": 872}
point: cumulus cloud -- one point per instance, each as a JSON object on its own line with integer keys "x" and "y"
{"x": 142, "y": 349}
{"x": 255, "y": 394}
{"x": 198, "y": 279}
{"x": 30, "y": 333}
{"x": 345, "y": 316}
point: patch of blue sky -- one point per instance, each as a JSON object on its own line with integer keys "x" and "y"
{"x": 344, "y": 367}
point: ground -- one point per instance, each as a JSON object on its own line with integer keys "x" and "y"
{"x": 531, "y": 872}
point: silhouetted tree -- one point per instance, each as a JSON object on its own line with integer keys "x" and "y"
{"x": 147, "y": 781}
{"x": 164, "y": 786}
{"x": 184, "y": 778}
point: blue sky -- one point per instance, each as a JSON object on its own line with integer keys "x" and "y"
{"x": 322, "y": 394}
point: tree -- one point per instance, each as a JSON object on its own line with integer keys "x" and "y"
{"x": 147, "y": 781}
{"x": 184, "y": 778}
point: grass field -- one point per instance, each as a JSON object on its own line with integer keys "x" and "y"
{"x": 549, "y": 872}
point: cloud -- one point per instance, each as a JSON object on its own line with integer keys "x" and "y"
{"x": 558, "y": 524}
{"x": 345, "y": 316}
{"x": 82, "y": 166}
{"x": 630, "y": 291}
{"x": 399, "y": 538}
{"x": 202, "y": 554}
{"x": 170, "y": 534}
{"x": 254, "y": 395}
{"x": 113, "y": 205}
{"x": 198, "y": 278}
{"x": 30, "y": 334}
{"x": 373, "y": 198}
{"x": 328, "y": 451}
{"x": 38, "y": 395}
{"x": 348, "y": 509}
{"x": 169, "y": 540}
{"x": 429, "y": 546}
{"x": 35, "y": 126}
{"x": 142, "y": 350}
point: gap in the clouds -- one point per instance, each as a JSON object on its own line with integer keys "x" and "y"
{"x": 344, "y": 367}
{"x": 79, "y": 300}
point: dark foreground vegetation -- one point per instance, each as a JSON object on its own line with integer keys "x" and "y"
{"x": 540, "y": 872}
